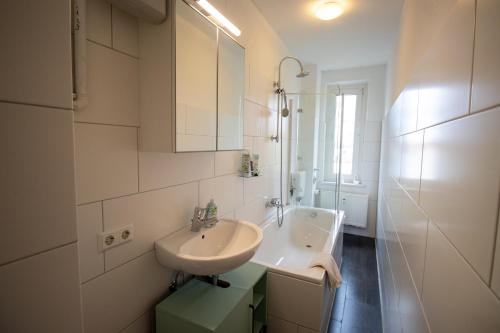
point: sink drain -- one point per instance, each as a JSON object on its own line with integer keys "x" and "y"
{"x": 308, "y": 245}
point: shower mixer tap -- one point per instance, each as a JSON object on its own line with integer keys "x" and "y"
{"x": 274, "y": 202}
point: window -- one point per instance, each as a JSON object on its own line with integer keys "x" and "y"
{"x": 349, "y": 125}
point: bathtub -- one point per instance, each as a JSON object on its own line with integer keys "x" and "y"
{"x": 300, "y": 299}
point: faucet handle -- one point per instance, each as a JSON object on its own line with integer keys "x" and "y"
{"x": 199, "y": 213}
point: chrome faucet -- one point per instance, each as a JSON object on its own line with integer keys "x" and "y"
{"x": 274, "y": 202}
{"x": 201, "y": 218}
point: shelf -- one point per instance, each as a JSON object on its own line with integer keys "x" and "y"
{"x": 257, "y": 326}
{"x": 257, "y": 299}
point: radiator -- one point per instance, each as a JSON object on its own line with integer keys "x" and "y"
{"x": 355, "y": 207}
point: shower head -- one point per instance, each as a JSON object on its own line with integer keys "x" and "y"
{"x": 285, "y": 112}
{"x": 302, "y": 74}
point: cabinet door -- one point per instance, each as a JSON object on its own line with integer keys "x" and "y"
{"x": 240, "y": 318}
{"x": 231, "y": 92}
{"x": 196, "y": 80}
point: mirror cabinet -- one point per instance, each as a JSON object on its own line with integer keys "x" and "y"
{"x": 192, "y": 83}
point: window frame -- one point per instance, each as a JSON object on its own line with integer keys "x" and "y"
{"x": 359, "y": 89}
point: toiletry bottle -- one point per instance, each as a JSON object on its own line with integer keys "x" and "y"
{"x": 211, "y": 209}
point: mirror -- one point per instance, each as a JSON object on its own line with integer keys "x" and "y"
{"x": 209, "y": 84}
{"x": 195, "y": 81}
{"x": 230, "y": 94}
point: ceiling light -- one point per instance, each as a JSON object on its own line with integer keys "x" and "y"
{"x": 329, "y": 10}
{"x": 219, "y": 17}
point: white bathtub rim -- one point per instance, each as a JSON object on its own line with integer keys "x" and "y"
{"x": 316, "y": 275}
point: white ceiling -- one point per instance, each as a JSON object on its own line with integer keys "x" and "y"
{"x": 363, "y": 35}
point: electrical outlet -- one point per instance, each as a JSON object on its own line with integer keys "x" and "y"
{"x": 110, "y": 239}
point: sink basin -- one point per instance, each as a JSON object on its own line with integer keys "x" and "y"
{"x": 210, "y": 251}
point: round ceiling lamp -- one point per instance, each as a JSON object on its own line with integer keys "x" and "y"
{"x": 329, "y": 10}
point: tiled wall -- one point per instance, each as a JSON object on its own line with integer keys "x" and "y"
{"x": 39, "y": 285}
{"x": 438, "y": 254}
{"x": 119, "y": 185}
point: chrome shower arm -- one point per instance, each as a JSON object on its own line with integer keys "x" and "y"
{"x": 278, "y": 83}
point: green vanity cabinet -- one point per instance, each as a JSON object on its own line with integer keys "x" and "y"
{"x": 199, "y": 307}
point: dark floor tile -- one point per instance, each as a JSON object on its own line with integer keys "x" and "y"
{"x": 335, "y": 327}
{"x": 357, "y": 303}
{"x": 363, "y": 290}
{"x": 346, "y": 328}
{"x": 361, "y": 314}
{"x": 367, "y": 272}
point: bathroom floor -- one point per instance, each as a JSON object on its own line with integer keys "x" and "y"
{"x": 357, "y": 302}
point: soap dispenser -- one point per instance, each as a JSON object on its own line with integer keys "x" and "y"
{"x": 211, "y": 210}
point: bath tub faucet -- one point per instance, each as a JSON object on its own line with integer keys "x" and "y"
{"x": 274, "y": 202}
{"x": 201, "y": 218}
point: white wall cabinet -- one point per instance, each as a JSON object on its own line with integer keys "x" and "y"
{"x": 191, "y": 83}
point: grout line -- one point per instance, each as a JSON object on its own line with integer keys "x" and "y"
{"x": 134, "y": 321}
{"x": 154, "y": 189}
{"x": 105, "y": 124}
{"x": 495, "y": 244}
{"x": 120, "y": 265}
{"x": 471, "y": 81}
{"x": 137, "y": 153}
{"x": 425, "y": 260}
{"x": 102, "y": 230}
{"x": 36, "y": 105}
{"x": 111, "y": 22}
{"x": 38, "y": 253}
{"x": 490, "y": 108}
{"x": 112, "y": 49}
{"x": 421, "y": 167}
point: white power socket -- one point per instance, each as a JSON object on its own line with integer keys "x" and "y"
{"x": 110, "y": 239}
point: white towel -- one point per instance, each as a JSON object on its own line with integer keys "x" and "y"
{"x": 327, "y": 262}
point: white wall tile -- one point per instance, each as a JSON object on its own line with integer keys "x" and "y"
{"x": 113, "y": 88}
{"x": 444, "y": 73}
{"x": 369, "y": 171}
{"x": 227, "y": 162}
{"x": 41, "y": 293}
{"x": 37, "y": 177}
{"x": 125, "y": 32}
{"x": 106, "y": 161}
{"x": 35, "y": 61}
{"x": 252, "y": 121}
{"x": 99, "y": 21}
{"x": 411, "y": 163}
{"x": 114, "y": 300}
{"x": 268, "y": 150}
{"x": 371, "y": 151}
{"x": 142, "y": 325}
{"x": 485, "y": 79}
{"x": 157, "y": 170}
{"x": 268, "y": 128}
{"x": 260, "y": 187}
{"x": 409, "y": 109}
{"x": 412, "y": 231}
{"x": 153, "y": 214}
{"x": 254, "y": 211}
{"x": 409, "y": 306}
{"x": 459, "y": 190}
{"x": 227, "y": 192}
{"x": 454, "y": 297}
{"x": 373, "y": 131}
{"x": 89, "y": 220}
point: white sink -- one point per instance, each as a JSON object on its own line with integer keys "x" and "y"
{"x": 210, "y": 251}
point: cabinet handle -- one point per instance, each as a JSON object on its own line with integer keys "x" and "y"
{"x": 253, "y": 314}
